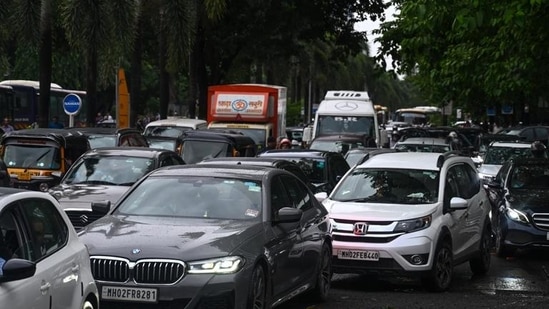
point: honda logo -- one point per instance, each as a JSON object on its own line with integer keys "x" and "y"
{"x": 360, "y": 228}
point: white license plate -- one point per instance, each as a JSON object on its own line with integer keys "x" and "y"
{"x": 129, "y": 294}
{"x": 358, "y": 255}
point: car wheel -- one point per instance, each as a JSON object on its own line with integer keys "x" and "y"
{"x": 481, "y": 264}
{"x": 88, "y": 305}
{"x": 324, "y": 276}
{"x": 501, "y": 249}
{"x": 438, "y": 279}
{"x": 257, "y": 295}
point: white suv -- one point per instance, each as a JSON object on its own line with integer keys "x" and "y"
{"x": 412, "y": 213}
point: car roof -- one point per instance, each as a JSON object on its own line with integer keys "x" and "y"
{"x": 177, "y": 122}
{"x": 510, "y": 144}
{"x": 403, "y": 160}
{"x": 260, "y": 161}
{"x": 105, "y": 130}
{"x": 253, "y": 172}
{"x": 424, "y": 140}
{"x": 341, "y": 137}
{"x": 128, "y": 151}
{"x": 529, "y": 161}
{"x": 297, "y": 153}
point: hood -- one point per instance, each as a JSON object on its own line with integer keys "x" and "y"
{"x": 489, "y": 169}
{"x": 171, "y": 238}
{"x": 82, "y": 195}
{"x": 375, "y": 211}
{"x": 533, "y": 201}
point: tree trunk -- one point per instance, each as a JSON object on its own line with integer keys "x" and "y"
{"x": 136, "y": 103}
{"x": 91, "y": 88}
{"x": 45, "y": 63}
{"x": 164, "y": 77}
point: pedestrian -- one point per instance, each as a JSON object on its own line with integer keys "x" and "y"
{"x": 6, "y": 126}
{"x": 271, "y": 144}
{"x": 98, "y": 118}
{"x": 55, "y": 124}
{"x": 285, "y": 144}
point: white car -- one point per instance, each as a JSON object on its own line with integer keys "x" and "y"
{"x": 44, "y": 263}
{"x": 500, "y": 152}
{"x": 411, "y": 213}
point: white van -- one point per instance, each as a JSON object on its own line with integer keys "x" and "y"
{"x": 347, "y": 112}
{"x": 173, "y": 127}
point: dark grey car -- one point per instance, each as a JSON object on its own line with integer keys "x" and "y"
{"x": 211, "y": 236}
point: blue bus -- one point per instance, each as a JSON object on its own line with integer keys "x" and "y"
{"x": 19, "y": 100}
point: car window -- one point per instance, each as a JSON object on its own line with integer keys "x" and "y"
{"x": 528, "y": 133}
{"x": 463, "y": 181}
{"x": 11, "y": 236}
{"x": 279, "y": 196}
{"x": 46, "y": 229}
{"x": 451, "y": 186}
{"x": 474, "y": 180}
{"x": 299, "y": 195}
{"x": 541, "y": 133}
{"x": 169, "y": 160}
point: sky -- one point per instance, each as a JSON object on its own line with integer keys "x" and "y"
{"x": 369, "y": 26}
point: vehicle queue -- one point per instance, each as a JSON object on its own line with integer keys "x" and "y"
{"x": 234, "y": 234}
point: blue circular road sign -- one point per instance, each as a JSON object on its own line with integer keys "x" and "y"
{"x": 72, "y": 104}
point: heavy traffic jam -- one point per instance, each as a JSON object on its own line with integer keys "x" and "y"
{"x": 240, "y": 210}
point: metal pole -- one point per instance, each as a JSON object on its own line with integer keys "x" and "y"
{"x": 310, "y": 103}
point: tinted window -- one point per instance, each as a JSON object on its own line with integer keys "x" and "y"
{"x": 299, "y": 195}
{"x": 278, "y": 196}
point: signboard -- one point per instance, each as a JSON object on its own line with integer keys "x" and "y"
{"x": 506, "y": 110}
{"x": 244, "y": 105}
{"x": 490, "y": 111}
{"x": 72, "y": 104}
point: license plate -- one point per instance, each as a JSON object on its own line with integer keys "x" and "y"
{"x": 25, "y": 176}
{"x": 358, "y": 255}
{"x": 129, "y": 294}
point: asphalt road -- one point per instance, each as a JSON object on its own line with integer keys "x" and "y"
{"x": 518, "y": 282}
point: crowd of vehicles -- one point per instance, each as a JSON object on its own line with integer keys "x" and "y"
{"x": 195, "y": 213}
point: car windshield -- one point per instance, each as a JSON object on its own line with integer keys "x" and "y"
{"x": 329, "y": 125}
{"x": 335, "y": 146}
{"x": 499, "y": 155}
{"x": 422, "y": 148}
{"x": 163, "y": 144}
{"x": 530, "y": 177}
{"x": 353, "y": 158}
{"x": 258, "y": 135}
{"x": 167, "y": 131}
{"x": 195, "y": 197}
{"x": 392, "y": 186}
{"x": 196, "y": 151}
{"x": 36, "y": 156}
{"x": 98, "y": 141}
{"x": 109, "y": 170}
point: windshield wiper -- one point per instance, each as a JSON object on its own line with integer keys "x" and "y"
{"x": 359, "y": 199}
{"x": 37, "y": 159}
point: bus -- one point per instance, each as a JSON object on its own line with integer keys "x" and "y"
{"x": 19, "y": 100}
{"x": 417, "y": 116}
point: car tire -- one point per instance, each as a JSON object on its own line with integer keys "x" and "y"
{"x": 88, "y": 305}
{"x": 481, "y": 263}
{"x": 257, "y": 292}
{"x": 438, "y": 279}
{"x": 324, "y": 276}
{"x": 502, "y": 250}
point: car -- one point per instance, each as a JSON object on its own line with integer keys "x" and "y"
{"x": 46, "y": 265}
{"x": 424, "y": 144}
{"x": 199, "y": 145}
{"x": 323, "y": 168}
{"x": 111, "y": 137}
{"x": 286, "y": 165}
{"x": 173, "y": 127}
{"x": 104, "y": 174}
{"x": 498, "y": 153}
{"x": 341, "y": 143}
{"x": 165, "y": 142}
{"x": 358, "y": 155}
{"x": 413, "y": 214}
{"x": 518, "y": 195}
{"x": 211, "y": 236}
{"x": 530, "y": 133}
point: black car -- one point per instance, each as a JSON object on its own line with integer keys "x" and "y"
{"x": 284, "y": 164}
{"x": 198, "y": 145}
{"x": 519, "y": 195}
{"x": 342, "y": 143}
{"x": 323, "y": 168}
{"x": 104, "y": 174}
{"x": 211, "y": 236}
{"x": 111, "y": 137}
{"x": 530, "y": 133}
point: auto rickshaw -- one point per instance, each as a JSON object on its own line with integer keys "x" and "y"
{"x": 36, "y": 159}
{"x": 200, "y": 145}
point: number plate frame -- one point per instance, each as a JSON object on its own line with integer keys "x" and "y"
{"x": 358, "y": 255}
{"x": 130, "y": 294}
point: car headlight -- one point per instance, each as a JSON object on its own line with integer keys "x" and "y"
{"x": 517, "y": 215}
{"x": 223, "y": 265}
{"x": 413, "y": 225}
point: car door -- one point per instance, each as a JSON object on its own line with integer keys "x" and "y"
{"x": 285, "y": 244}
{"x": 41, "y": 236}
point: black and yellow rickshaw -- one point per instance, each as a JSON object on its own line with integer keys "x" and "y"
{"x": 200, "y": 145}
{"x": 36, "y": 159}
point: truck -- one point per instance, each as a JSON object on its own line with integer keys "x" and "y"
{"x": 347, "y": 112}
{"x": 256, "y": 110}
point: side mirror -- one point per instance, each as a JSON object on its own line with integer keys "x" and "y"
{"x": 17, "y": 269}
{"x": 307, "y": 134}
{"x": 102, "y": 207}
{"x": 457, "y": 203}
{"x": 321, "y": 196}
